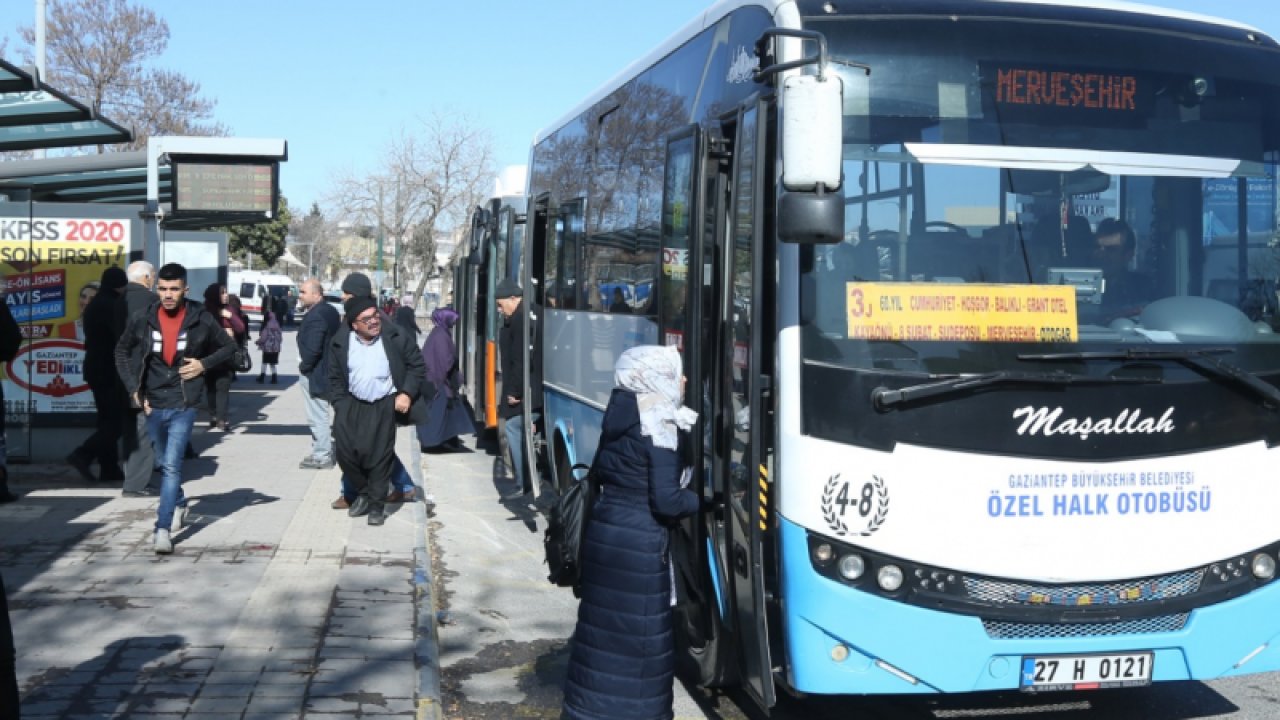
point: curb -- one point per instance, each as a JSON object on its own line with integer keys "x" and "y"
{"x": 427, "y": 646}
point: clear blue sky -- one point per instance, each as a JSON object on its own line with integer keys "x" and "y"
{"x": 337, "y": 80}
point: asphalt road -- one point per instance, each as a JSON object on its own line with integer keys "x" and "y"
{"x": 504, "y": 631}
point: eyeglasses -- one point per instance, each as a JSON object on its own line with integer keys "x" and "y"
{"x": 369, "y": 321}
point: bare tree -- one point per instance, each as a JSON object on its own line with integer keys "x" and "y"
{"x": 385, "y": 203}
{"x": 432, "y": 176}
{"x": 450, "y": 163}
{"x": 99, "y": 52}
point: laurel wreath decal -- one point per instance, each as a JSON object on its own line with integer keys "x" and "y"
{"x": 882, "y": 506}
{"x": 829, "y": 507}
{"x": 835, "y": 502}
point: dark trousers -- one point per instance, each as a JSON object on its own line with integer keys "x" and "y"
{"x": 217, "y": 393}
{"x": 8, "y": 672}
{"x": 103, "y": 444}
{"x": 365, "y": 442}
{"x": 139, "y": 456}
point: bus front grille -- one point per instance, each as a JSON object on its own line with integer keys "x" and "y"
{"x": 1004, "y": 630}
{"x": 1124, "y": 592}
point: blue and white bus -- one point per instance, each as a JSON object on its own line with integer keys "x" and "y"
{"x": 977, "y": 305}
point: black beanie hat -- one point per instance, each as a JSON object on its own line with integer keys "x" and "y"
{"x": 507, "y": 288}
{"x": 357, "y": 285}
{"x": 356, "y": 305}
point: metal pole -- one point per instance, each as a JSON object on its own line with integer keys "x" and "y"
{"x": 380, "y": 224}
{"x": 40, "y": 46}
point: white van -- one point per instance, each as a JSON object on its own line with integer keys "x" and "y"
{"x": 255, "y": 287}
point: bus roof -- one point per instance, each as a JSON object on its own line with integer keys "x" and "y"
{"x": 716, "y": 12}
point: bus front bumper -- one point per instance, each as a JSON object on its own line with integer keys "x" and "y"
{"x": 889, "y": 647}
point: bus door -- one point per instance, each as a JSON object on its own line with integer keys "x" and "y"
{"x": 531, "y": 264}
{"x": 741, "y": 414}
{"x": 695, "y": 185}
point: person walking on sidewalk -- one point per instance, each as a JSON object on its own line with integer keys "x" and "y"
{"x": 375, "y": 373}
{"x": 138, "y": 457}
{"x": 316, "y": 332}
{"x": 100, "y": 340}
{"x": 270, "y": 338}
{"x": 160, "y": 357}
{"x": 357, "y": 284}
{"x": 217, "y": 380}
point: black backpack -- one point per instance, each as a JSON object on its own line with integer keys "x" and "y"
{"x": 567, "y": 529}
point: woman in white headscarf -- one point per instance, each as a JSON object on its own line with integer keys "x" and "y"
{"x": 623, "y": 655}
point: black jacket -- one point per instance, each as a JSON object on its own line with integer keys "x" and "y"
{"x": 408, "y": 373}
{"x": 100, "y": 338}
{"x": 513, "y": 343}
{"x": 314, "y": 336}
{"x": 141, "y": 365}
{"x": 133, "y": 300}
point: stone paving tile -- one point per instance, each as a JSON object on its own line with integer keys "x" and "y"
{"x": 298, "y": 612}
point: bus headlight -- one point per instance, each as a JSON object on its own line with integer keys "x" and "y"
{"x": 890, "y": 578}
{"x": 852, "y": 567}
{"x": 1264, "y": 566}
{"x": 823, "y": 553}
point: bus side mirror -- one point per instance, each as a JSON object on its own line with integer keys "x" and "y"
{"x": 811, "y": 206}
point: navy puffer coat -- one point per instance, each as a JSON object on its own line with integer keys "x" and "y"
{"x": 623, "y": 655}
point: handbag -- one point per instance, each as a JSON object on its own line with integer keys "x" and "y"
{"x": 567, "y": 529}
{"x": 244, "y": 361}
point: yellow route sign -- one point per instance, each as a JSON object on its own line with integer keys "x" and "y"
{"x": 961, "y": 312}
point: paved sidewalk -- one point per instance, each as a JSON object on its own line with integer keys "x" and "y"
{"x": 273, "y": 605}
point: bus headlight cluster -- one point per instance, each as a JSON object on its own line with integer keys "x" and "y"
{"x": 822, "y": 553}
{"x": 852, "y": 566}
{"x": 1264, "y": 566}
{"x": 889, "y": 578}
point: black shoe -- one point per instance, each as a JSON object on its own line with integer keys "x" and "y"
{"x": 377, "y": 515}
{"x": 189, "y": 453}
{"x": 81, "y": 464}
{"x": 360, "y": 506}
{"x": 274, "y": 379}
{"x": 147, "y": 491}
{"x": 512, "y": 495}
{"x": 261, "y": 378}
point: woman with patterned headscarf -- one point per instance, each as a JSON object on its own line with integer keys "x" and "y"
{"x": 448, "y": 414}
{"x": 623, "y": 656}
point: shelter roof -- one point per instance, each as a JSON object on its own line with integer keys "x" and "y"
{"x": 34, "y": 115}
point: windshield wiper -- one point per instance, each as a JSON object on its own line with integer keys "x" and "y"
{"x": 884, "y": 398}
{"x": 1202, "y": 359}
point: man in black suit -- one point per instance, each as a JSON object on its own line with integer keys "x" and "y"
{"x": 319, "y": 325}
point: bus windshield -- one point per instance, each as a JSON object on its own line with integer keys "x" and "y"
{"x": 1022, "y": 184}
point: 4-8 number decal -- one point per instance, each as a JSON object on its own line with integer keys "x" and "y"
{"x": 863, "y": 504}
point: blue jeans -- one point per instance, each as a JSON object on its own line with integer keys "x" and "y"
{"x": 320, "y": 419}
{"x": 400, "y": 480}
{"x": 170, "y": 429}
{"x": 513, "y": 427}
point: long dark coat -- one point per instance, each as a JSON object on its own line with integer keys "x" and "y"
{"x": 623, "y": 656}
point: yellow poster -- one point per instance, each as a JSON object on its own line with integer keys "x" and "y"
{"x": 51, "y": 267}
{"x": 961, "y": 312}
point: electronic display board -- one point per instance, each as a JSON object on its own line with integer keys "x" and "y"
{"x": 208, "y": 187}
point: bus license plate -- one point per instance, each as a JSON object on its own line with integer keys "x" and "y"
{"x": 1085, "y": 672}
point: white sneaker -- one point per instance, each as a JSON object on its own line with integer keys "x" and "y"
{"x": 179, "y": 519}
{"x": 164, "y": 545}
